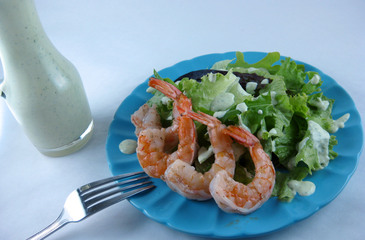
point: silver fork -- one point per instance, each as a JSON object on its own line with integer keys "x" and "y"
{"x": 96, "y": 196}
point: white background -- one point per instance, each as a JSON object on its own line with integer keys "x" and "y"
{"x": 115, "y": 45}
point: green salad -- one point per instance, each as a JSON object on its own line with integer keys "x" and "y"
{"x": 277, "y": 101}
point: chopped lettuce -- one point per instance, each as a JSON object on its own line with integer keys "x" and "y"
{"x": 290, "y": 115}
{"x": 203, "y": 94}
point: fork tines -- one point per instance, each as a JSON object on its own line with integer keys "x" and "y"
{"x": 101, "y": 194}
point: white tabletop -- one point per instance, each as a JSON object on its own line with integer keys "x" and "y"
{"x": 115, "y": 46}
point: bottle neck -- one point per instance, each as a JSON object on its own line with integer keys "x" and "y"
{"x": 21, "y": 32}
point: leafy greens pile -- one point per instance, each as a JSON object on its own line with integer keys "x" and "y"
{"x": 288, "y": 113}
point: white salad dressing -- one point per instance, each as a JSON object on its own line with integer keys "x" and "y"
{"x": 321, "y": 104}
{"x": 150, "y": 90}
{"x": 320, "y": 138}
{"x": 339, "y": 123}
{"x": 212, "y": 77}
{"x": 303, "y": 188}
{"x": 242, "y": 107}
{"x": 315, "y": 79}
{"x": 41, "y": 87}
{"x": 128, "y": 146}
{"x": 265, "y": 81}
{"x": 273, "y": 132}
{"x": 219, "y": 114}
{"x": 251, "y": 87}
{"x": 273, "y": 146}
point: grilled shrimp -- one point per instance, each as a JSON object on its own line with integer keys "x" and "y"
{"x": 152, "y": 153}
{"x": 232, "y": 196}
{"x": 184, "y": 179}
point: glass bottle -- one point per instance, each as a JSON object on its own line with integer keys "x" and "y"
{"x": 42, "y": 88}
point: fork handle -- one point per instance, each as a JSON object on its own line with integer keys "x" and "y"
{"x": 57, "y": 224}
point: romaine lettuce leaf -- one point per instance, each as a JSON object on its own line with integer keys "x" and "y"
{"x": 294, "y": 75}
{"x": 203, "y": 93}
{"x": 267, "y": 63}
{"x": 281, "y": 188}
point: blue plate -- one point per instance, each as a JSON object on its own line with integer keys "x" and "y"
{"x": 205, "y": 218}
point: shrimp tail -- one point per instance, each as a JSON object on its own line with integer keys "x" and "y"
{"x": 166, "y": 88}
{"x": 203, "y": 118}
{"x": 241, "y": 135}
{"x": 182, "y": 102}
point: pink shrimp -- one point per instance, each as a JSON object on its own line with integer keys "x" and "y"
{"x": 151, "y": 150}
{"x": 184, "y": 179}
{"x": 232, "y": 196}
{"x": 147, "y": 117}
